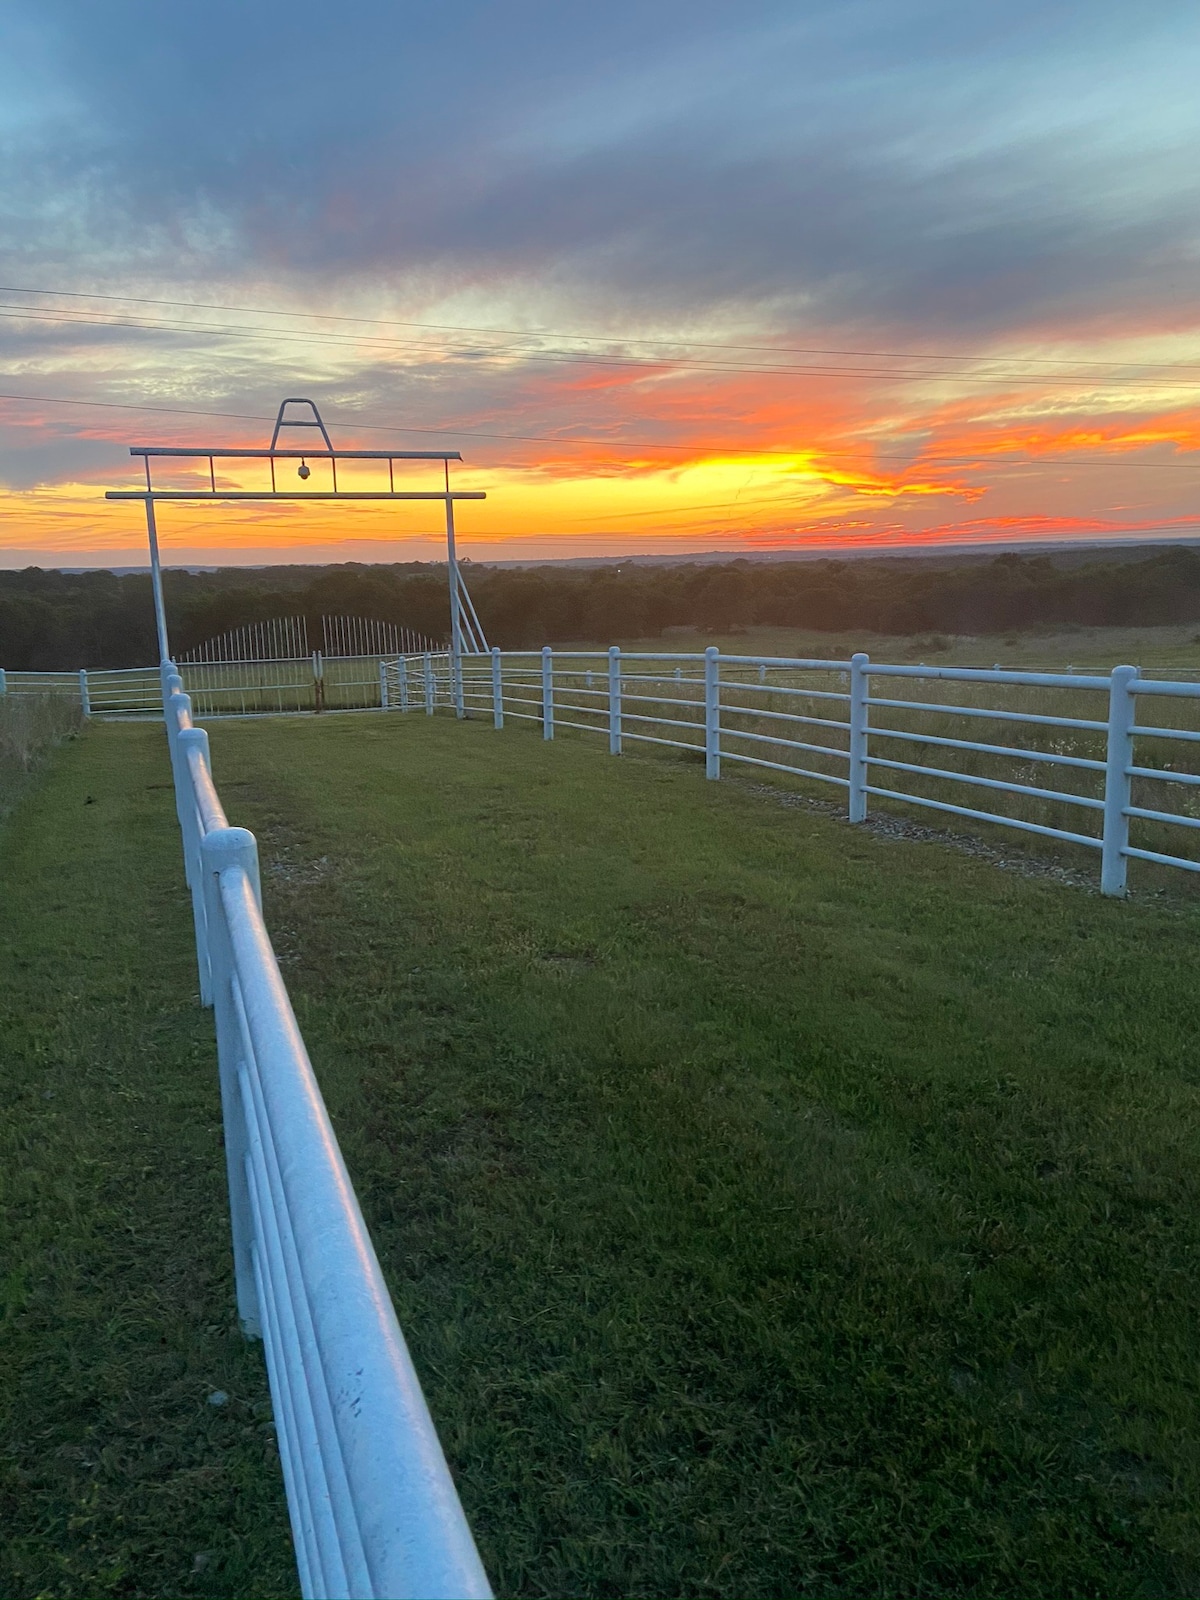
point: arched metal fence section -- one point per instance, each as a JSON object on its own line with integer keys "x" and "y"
{"x": 373, "y": 1509}
{"x": 297, "y": 638}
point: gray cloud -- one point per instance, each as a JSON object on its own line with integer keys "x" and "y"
{"x": 942, "y": 167}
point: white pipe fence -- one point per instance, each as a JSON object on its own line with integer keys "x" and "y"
{"x": 373, "y": 1509}
{"x": 892, "y": 734}
{"x": 898, "y": 734}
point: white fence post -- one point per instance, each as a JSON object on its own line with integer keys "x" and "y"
{"x": 497, "y": 690}
{"x": 402, "y": 674}
{"x": 219, "y": 850}
{"x": 3, "y": 681}
{"x": 85, "y": 699}
{"x": 859, "y": 691}
{"x": 428, "y": 684}
{"x": 456, "y": 685}
{"x": 189, "y": 824}
{"x": 1122, "y": 710}
{"x": 712, "y": 712}
{"x": 547, "y": 693}
{"x": 175, "y": 706}
{"x": 614, "y": 700}
{"x": 383, "y": 686}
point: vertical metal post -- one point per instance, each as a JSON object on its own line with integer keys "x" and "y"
{"x": 547, "y": 693}
{"x": 383, "y": 686}
{"x": 1122, "y": 706}
{"x": 85, "y": 699}
{"x": 712, "y": 712}
{"x": 859, "y": 691}
{"x": 221, "y": 850}
{"x": 428, "y": 684}
{"x": 3, "y": 681}
{"x": 172, "y": 686}
{"x": 189, "y": 824}
{"x": 455, "y": 606}
{"x": 497, "y": 690}
{"x": 177, "y": 708}
{"x": 402, "y": 673}
{"x": 160, "y": 610}
{"x": 614, "y": 700}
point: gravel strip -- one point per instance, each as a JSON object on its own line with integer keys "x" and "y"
{"x": 884, "y": 826}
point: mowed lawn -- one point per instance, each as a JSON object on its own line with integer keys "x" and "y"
{"x": 117, "y": 1476}
{"x": 771, "y": 1208}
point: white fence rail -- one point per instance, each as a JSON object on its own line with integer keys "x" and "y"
{"x": 373, "y": 1509}
{"x": 218, "y": 688}
{"x": 1078, "y": 757}
{"x": 1073, "y": 756}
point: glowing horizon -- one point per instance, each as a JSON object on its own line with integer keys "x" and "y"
{"x": 694, "y": 297}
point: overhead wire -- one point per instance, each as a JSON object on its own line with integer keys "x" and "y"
{"x": 595, "y": 338}
{"x": 16, "y": 312}
{"x": 700, "y": 448}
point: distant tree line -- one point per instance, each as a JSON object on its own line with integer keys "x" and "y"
{"x": 54, "y": 620}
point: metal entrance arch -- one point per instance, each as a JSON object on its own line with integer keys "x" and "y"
{"x": 465, "y": 629}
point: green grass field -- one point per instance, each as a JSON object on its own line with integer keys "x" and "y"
{"x": 117, "y": 1477}
{"x": 771, "y": 1208}
{"x": 31, "y": 727}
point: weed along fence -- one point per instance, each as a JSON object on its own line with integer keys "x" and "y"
{"x": 1095, "y": 761}
{"x": 373, "y": 1509}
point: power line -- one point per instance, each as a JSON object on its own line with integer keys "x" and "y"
{"x": 12, "y": 312}
{"x": 598, "y": 338}
{"x": 729, "y": 447}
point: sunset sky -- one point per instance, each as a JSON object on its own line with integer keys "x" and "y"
{"x": 672, "y": 276}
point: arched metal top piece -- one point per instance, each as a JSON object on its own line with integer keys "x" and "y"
{"x": 273, "y": 452}
{"x": 300, "y": 422}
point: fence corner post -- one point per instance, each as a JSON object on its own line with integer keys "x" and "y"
{"x": 383, "y": 685}
{"x": 1114, "y": 862}
{"x": 859, "y": 689}
{"x": 428, "y": 684}
{"x": 614, "y": 700}
{"x": 85, "y": 699}
{"x": 547, "y": 692}
{"x": 402, "y": 675}
{"x": 497, "y": 690}
{"x": 3, "y": 681}
{"x": 220, "y": 850}
{"x": 712, "y": 712}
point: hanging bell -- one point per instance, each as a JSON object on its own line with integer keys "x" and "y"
{"x": 303, "y": 470}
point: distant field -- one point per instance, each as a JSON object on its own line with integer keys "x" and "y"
{"x": 1053, "y": 649}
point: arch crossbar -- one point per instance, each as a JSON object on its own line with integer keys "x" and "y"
{"x": 466, "y": 633}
